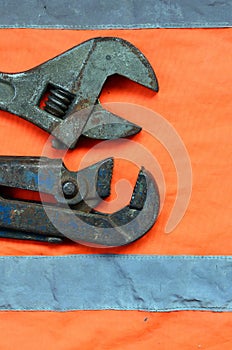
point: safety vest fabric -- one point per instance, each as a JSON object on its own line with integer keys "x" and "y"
{"x": 141, "y": 282}
{"x": 194, "y": 71}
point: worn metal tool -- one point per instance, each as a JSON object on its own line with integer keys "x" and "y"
{"x": 72, "y": 82}
{"x": 72, "y": 215}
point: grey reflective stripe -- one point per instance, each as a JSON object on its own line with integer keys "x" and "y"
{"x": 120, "y": 282}
{"x": 96, "y": 14}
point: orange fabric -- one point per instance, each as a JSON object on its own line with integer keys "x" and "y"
{"x": 194, "y": 72}
{"x": 116, "y": 330}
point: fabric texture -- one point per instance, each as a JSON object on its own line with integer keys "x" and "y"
{"x": 194, "y": 72}
{"x": 140, "y": 282}
{"x": 77, "y": 14}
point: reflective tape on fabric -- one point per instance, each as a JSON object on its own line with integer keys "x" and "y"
{"x": 118, "y": 282}
{"x": 115, "y": 14}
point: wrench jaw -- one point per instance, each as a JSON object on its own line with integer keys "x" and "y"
{"x": 104, "y": 125}
{"x": 129, "y": 223}
{"x": 118, "y": 56}
{"x": 135, "y": 220}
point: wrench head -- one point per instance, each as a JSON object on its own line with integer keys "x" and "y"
{"x": 127, "y": 224}
{"x": 107, "y": 56}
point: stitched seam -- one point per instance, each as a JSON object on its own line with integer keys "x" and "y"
{"x": 119, "y": 256}
{"x": 151, "y": 308}
{"x": 128, "y": 26}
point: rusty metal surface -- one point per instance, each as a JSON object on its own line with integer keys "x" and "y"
{"x": 73, "y": 82}
{"x": 72, "y": 216}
